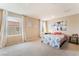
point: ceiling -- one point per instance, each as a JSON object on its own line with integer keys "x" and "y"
{"x": 43, "y": 11}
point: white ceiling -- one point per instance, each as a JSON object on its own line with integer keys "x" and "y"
{"x": 42, "y": 10}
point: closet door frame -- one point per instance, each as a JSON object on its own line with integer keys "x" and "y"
{"x": 3, "y": 30}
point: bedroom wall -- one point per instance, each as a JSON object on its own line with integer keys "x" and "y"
{"x": 31, "y": 32}
{"x": 31, "y": 28}
{"x": 72, "y": 23}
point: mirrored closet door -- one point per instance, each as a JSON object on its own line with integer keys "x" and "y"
{"x": 14, "y": 28}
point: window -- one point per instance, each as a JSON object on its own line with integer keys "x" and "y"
{"x": 42, "y": 26}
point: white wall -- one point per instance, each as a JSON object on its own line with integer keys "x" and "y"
{"x": 72, "y": 24}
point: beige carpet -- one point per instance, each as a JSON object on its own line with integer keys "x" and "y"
{"x": 36, "y": 48}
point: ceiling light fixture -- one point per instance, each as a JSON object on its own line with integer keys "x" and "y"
{"x": 45, "y": 18}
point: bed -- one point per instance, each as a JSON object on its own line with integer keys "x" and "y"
{"x": 53, "y": 40}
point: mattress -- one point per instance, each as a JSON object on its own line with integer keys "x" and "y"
{"x": 53, "y": 40}
{"x": 59, "y": 36}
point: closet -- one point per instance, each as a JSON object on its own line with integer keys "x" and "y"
{"x": 14, "y": 30}
{"x": 1, "y": 26}
{"x": 31, "y": 28}
{"x": 1, "y": 14}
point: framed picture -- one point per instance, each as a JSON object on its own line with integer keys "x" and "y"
{"x": 60, "y": 26}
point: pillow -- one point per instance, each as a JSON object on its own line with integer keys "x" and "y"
{"x": 57, "y": 33}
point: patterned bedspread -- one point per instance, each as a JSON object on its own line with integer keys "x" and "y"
{"x": 53, "y": 40}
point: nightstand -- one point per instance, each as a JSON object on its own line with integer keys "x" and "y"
{"x": 74, "y": 39}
